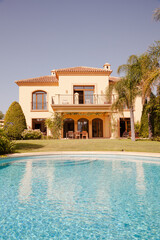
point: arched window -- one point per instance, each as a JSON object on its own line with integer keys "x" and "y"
{"x": 39, "y": 100}
{"x": 83, "y": 124}
{"x": 97, "y": 127}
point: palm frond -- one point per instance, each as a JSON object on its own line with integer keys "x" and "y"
{"x": 109, "y": 91}
{"x": 122, "y": 69}
{"x": 156, "y": 14}
{"x": 132, "y": 60}
{"x": 151, "y": 79}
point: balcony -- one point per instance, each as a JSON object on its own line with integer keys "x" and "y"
{"x": 76, "y": 103}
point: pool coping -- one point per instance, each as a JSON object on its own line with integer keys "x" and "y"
{"x": 146, "y": 154}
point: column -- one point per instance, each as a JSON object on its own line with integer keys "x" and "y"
{"x": 75, "y": 125}
{"x": 114, "y": 126}
{"x": 76, "y": 98}
{"x": 90, "y": 128}
{"x": 106, "y": 127}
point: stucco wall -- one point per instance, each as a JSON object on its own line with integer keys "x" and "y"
{"x": 66, "y": 84}
{"x": 65, "y": 87}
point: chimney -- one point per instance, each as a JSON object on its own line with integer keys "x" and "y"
{"x": 107, "y": 66}
{"x": 53, "y": 73}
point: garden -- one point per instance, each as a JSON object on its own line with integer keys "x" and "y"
{"x": 140, "y": 77}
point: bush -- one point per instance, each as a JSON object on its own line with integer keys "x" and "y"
{"x": 143, "y": 132}
{"x": 14, "y": 121}
{"x": 153, "y": 109}
{"x": 157, "y": 138}
{"x": 32, "y": 134}
{"x": 6, "y": 146}
{"x": 2, "y": 133}
{"x": 55, "y": 124}
{"x": 1, "y": 115}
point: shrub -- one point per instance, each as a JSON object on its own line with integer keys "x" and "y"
{"x": 157, "y": 138}
{"x": 153, "y": 109}
{"x": 32, "y": 134}
{"x": 144, "y": 123}
{"x": 2, "y": 133}
{"x": 1, "y": 115}
{"x": 55, "y": 125}
{"x": 6, "y": 146}
{"x": 137, "y": 129}
{"x": 14, "y": 121}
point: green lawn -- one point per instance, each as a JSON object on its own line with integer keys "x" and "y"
{"x": 23, "y": 146}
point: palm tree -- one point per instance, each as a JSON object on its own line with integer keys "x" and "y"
{"x": 127, "y": 88}
{"x": 156, "y": 14}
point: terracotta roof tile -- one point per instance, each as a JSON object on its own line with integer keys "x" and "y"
{"x": 82, "y": 69}
{"x": 44, "y": 79}
{"x": 114, "y": 79}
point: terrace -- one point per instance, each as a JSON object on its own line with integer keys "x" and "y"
{"x": 79, "y": 101}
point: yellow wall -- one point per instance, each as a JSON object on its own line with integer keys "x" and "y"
{"x": 104, "y": 116}
{"x": 65, "y": 87}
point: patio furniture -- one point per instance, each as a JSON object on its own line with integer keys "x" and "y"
{"x": 84, "y": 134}
{"x": 70, "y": 134}
{"x": 77, "y": 134}
{"x": 125, "y": 134}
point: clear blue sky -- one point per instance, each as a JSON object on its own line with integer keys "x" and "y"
{"x": 37, "y": 36}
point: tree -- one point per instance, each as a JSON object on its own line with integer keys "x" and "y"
{"x": 14, "y": 121}
{"x": 156, "y": 14}
{"x": 1, "y": 115}
{"x": 150, "y": 74}
{"x": 127, "y": 88}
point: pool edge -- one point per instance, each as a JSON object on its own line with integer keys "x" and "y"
{"x": 146, "y": 154}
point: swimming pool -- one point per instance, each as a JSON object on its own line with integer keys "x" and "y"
{"x": 80, "y": 197}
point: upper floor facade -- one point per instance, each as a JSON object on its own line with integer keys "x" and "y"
{"x": 78, "y": 88}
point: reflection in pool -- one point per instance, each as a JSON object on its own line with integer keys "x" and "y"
{"x": 80, "y": 197}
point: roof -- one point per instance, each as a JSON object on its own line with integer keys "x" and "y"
{"x": 114, "y": 79}
{"x": 44, "y": 79}
{"x": 53, "y": 79}
{"x": 82, "y": 69}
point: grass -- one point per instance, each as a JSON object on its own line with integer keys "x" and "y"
{"x": 23, "y": 146}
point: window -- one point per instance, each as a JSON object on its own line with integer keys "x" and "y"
{"x": 39, "y": 123}
{"x": 39, "y": 100}
{"x": 83, "y": 124}
{"x": 85, "y": 94}
{"x": 125, "y": 126}
{"x": 97, "y": 127}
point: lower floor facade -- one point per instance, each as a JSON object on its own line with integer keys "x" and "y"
{"x": 96, "y": 125}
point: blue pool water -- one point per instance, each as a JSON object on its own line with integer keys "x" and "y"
{"x": 80, "y": 197}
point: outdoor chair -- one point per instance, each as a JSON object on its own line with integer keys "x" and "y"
{"x": 125, "y": 134}
{"x": 84, "y": 134}
{"x": 77, "y": 134}
{"x": 70, "y": 134}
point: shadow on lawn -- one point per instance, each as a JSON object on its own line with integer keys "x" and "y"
{"x": 27, "y": 146}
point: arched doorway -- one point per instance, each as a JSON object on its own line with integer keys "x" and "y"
{"x": 68, "y": 125}
{"x": 83, "y": 125}
{"x": 97, "y": 127}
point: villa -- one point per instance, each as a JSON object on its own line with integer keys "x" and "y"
{"x": 78, "y": 93}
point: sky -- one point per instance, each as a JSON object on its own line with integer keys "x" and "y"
{"x": 37, "y": 36}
